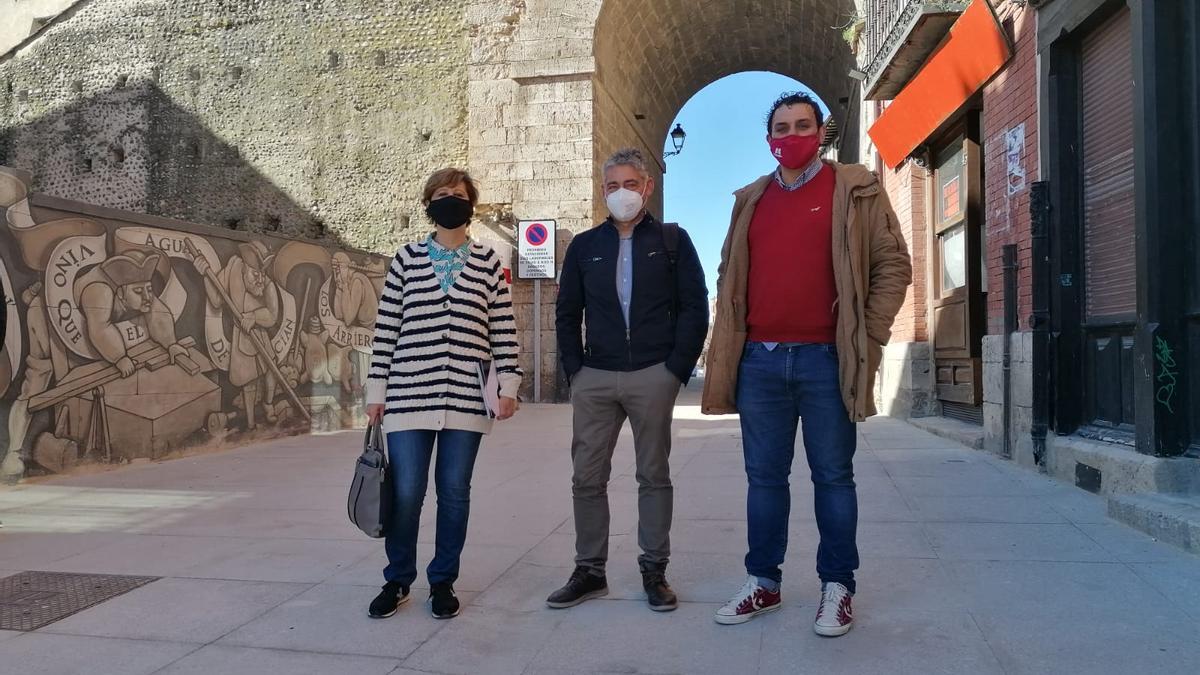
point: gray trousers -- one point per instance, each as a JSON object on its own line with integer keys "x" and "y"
{"x": 602, "y": 400}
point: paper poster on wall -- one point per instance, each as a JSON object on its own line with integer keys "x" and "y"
{"x": 1014, "y": 145}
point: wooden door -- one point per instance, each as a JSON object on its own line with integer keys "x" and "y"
{"x": 957, "y": 290}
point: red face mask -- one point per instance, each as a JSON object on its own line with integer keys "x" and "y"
{"x": 795, "y": 152}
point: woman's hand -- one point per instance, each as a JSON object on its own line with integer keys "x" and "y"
{"x": 375, "y": 412}
{"x": 508, "y": 408}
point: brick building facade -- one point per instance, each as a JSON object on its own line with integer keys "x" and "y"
{"x": 1035, "y": 158}
{"x": 944, "y": 357}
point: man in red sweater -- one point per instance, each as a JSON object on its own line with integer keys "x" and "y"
{"x": 812, "y": 274}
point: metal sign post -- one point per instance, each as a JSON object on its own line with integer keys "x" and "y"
{"x": 537, "y": 340}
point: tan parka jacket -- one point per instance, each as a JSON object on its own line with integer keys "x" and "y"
{"x": 872, "y": 270}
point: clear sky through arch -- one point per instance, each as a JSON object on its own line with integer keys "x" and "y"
{"x": 726, "y": 148}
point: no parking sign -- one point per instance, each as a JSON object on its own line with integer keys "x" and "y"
{"x": 535, "y": 249}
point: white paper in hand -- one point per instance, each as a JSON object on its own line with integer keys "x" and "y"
{"x": 489, "y": 383}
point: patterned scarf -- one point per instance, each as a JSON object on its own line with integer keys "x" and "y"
{"x": 448, "y": 263}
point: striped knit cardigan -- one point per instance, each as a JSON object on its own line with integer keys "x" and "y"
{"x": 428, "y": 343}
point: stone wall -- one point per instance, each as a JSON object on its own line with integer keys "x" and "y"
{"x": 316, "y": 118}
{"x": 530, "y": 100}
{"x": 1021, "y": 395}
{"x": 126, "y": 335}
{"x": 904, "y": 385}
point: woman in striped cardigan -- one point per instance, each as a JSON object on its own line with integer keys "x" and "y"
{"x": 445, "y": 311}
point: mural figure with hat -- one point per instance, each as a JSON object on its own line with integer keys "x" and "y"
{"x": 356, "y": 303}
{"x": 254, "y": 298}
{"x": 121, "y": 289}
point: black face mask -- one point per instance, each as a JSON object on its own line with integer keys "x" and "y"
{"x": 450, "y": 212}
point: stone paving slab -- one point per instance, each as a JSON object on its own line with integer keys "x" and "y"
{"x": 1178, "y": 581}
{"x": 222, "y": 659}
{"x": 1067, "y": 591}
{"x": 212, "y": 609}
{"x": 905, "y": 641}
{"x": 1131, "y": 546}
{"x": 1013, "y": 541}
{"x": 1102, "y": 643}
{"x": 970, "y": 564}
{"x": 332, "y": 619}
{"x": 621, "y": 636}
{"x": 49, "y": 654}
{"x": 981, "y": 509}
{"x": 470, "y": 643}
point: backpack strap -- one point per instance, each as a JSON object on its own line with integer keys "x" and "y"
{"x": 670, "y": 235}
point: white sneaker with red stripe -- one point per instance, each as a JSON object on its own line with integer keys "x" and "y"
{"x": 751, "y": 601}
{"x": 835, "y": 615}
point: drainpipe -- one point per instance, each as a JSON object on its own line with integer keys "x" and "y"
{"x": 1039, "y": 208}
{"x": 1010, "y": 327}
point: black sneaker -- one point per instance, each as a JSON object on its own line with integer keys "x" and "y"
{"x": 443, "y": 601}
{"x": 388, "y": 601}
{"x": 658, "y": 591}
{"x": 583, "y": 585}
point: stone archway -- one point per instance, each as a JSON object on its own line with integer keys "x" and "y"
{"x": 651, "y": 57}
{"x": 555, "y": 85}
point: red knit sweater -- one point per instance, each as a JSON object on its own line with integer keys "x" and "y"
{"x": 792, "y": 294}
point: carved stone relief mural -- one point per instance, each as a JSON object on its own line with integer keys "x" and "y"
{"x": 130, "y": 336}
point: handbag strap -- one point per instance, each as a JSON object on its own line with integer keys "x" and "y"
{"x": 376, "y": 438}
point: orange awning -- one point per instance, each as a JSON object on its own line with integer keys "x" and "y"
{"x": 975, "y": 51}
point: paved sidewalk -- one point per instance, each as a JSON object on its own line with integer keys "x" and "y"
{"x": 970, "y": 565}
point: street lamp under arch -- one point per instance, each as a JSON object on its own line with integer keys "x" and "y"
{"x": 678, "y": 136}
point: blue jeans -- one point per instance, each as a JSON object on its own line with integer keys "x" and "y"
{"x": 776, "y": 389}
{"x": 411, "y": 453}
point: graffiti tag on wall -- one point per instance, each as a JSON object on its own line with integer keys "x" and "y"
{"x": 1168, "y": 373}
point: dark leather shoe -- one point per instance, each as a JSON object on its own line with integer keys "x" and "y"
{"x": 658, "y": 591}
{"x": 583, "y": 585}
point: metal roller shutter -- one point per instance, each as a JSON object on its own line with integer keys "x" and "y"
{"x": 1108, "y": 192}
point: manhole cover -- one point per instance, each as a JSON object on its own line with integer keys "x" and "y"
{"x": 30, "y": 600}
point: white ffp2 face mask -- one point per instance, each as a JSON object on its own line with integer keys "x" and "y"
{"x": 624, "y": 204}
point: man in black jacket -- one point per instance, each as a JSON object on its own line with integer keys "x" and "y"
{"x": 639, "y": 287}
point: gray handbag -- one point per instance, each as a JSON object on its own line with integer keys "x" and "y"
{"x": 370, "y": 501}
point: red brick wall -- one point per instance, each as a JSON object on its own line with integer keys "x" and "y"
{"x": 906, "y": 187}
{"x": 1009, "y": 101}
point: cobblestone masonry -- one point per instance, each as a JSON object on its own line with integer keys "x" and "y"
{"x": 265, "y": 115}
